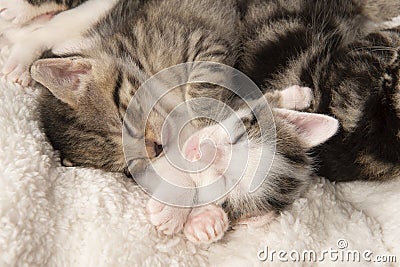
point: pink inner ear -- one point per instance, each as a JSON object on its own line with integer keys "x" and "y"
{"x": 63, "y": 67}
{"x": 71, "y": 76}
{"x": 62, "y": 76}
{"x": 313, "y": 129}
{"x": 68, "y": 70}
{"x": 61, "y": 72}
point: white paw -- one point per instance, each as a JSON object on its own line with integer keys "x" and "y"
{"x": 206, "y": 225}
{"x": 20, "y": 74}
{"x": 16, "y": 67}
{"x": 16, "y": 11}
{"x": 19, "y": 11}
{"x": 168, "y": 220}
{"x": 296, "y": 97}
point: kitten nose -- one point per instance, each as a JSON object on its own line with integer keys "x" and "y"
{"x": 199, "y": 150}
{"x": 154, "y": 149}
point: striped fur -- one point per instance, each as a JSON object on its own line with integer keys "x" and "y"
{"x": 330, "y": 46}
{"x": 67, "y": 3}
{"x": 334, "y": 48}
{"x": 255, "y": 135}
{"x": 134, "y": 41}
{"x": 311, "y": 43}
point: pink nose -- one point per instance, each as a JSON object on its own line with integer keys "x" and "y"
{"x": 192, "y": 149}
{"x": 203, "y": 151}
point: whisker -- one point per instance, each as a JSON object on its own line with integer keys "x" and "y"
{"x": 374, "y": 48}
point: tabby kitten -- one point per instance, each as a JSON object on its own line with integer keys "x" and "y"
{"x": 88, "y": 93}
{"x": 284, "y": 42}
{"x": 352, "y": 66}
{"x": 243, "y": 149}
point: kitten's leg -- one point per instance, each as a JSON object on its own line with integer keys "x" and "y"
{"x": 20, "y": 11}
{"x": 256, "y": 221}
{"x": 66, "y": 26}
{"x": 11, "y": 36}
{"x": 294, "y": 97}
{"x": 168, "y": 220}
{"x": 206, "y": 224}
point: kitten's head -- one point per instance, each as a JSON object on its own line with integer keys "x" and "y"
{"x": 253, "y": 138}
{"x": 82, "y": 111}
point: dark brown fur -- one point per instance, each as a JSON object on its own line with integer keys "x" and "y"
{"x": 134, "y": 41}
{"x": 67, "y": 3}
{"x": 325, "y": 45}
{"x": 331, "y": 46}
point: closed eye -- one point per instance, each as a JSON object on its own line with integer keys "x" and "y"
{"x": 239, "y": 137}
{"x": 242, "y": 131}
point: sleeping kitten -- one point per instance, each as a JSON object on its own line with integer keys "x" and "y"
{"x": 286, "y": 42}
{"x": 293, "y": 46}
{"x": 352, "y": 66}
{"x": 328, "y": 46}
{"x": 289, "y": 175}
{"x": 29, "y": 38}
{"x": 88, "y": 93}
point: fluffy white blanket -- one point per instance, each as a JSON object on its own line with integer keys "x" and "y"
{"x": 56, "y": 216}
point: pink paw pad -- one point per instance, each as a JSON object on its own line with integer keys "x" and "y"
{"x": 206, "y": 225}
{"x": 168, "y": 220}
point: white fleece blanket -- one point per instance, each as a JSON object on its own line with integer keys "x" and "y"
{"x": 56, "y": 216}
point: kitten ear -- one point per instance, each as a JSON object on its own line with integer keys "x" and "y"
{"x": 62, "y": 76}
{"x": 313, "y": 129}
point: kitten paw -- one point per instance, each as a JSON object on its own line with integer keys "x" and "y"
{"x": 20, "y": 12}
{"x": 16, "y": 67}
{"x": 296, "y": 97}
{"x": 168, "y": 220}
{"x": 206, "y": 225}
{"x": 20, "y": 74}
